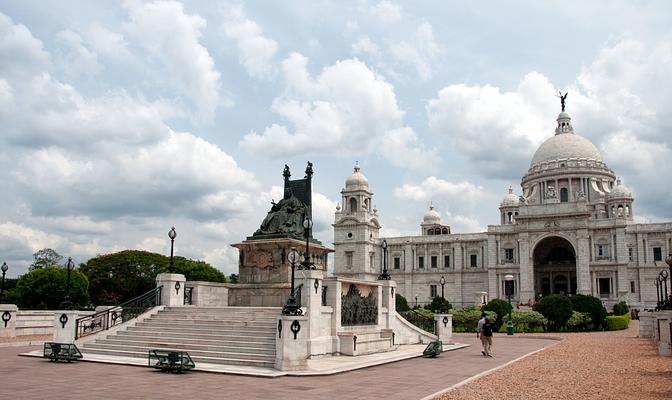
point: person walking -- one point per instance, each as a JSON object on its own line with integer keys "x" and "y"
{"x": 486, "y": 337}
{"x": 479, "y": 330}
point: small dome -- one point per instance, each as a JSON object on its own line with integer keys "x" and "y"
{"x": 431, "y": 216}
{"x": 357, "y": 180}
{"x": 620, "y": 191}
{"x": 510, "y": 199}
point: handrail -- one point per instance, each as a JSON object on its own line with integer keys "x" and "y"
{"x": 113, "y": 316}
{"x": 421, "y": 321}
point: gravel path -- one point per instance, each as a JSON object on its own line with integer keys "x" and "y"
{"x": 595, "y": 365}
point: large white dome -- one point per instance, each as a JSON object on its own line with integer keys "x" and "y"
{"x": 565, "y": 146}
{"x": 431, "y": 216}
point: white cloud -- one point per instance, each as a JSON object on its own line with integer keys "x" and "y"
{"x": 433, "y": 189}
{"x": 172, "y": 36}
{"x": 22, "y": 54}
{"x": 387, "y": 11}
{"x": 497, "y": 131}
{"x": 76, "y": 60}
{"x": 111, "y": 45}
{"x": 347, "y": 106}
{"x": 364, "y": 45}
{"x": 256, "y": 50}
{"x": 422, "y": 53}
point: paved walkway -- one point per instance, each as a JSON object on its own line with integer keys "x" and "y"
{"x": 33, "y": 378}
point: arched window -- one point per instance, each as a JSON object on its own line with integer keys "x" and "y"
{"x": 445, "y": 231}
{"x": 353, "y": 204}
{"x": 366, "y": 204}
{"x": 510, "y": 217}
{"x": 430, "y": 231}
{"x": 564, "y": 195}
{"x": 437, "y": 231}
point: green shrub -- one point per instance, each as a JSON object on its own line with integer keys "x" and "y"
{"x": 618, "y": 322}
{"x": 525, "y": 321}
{"x": 439, "y": 304}
{"x": 556, "y": 309}
{"x": 592, "y": 306}
{"x": 466, "y": 319}
{"x": 402, "y": 304}
{"x": 621, "y": 308}
{"x": 501, "y": 308}
{"x": 579, "y": 322}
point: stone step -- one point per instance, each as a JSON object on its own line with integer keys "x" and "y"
{"x": 217, "y": 317}
{"x": 208, "y": 322}
{"x": 245, "y": 355}
{"x": 203, "y": 329}
{"x": 221, "y": 336}
{"x": 226, "y": 310}
{"x": 196, "y": 359}
{"x": 241, "y": 347}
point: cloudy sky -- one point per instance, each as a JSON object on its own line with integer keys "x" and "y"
{"x": 122, "y": 119}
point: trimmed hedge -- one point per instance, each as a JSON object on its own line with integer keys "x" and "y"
{"x": 439, "y": 304}
{"x": 618, "y": 322}
{"x": 593, "y": 307}
{"x": 556, "y": 309}
{"x": 621, "y": 308}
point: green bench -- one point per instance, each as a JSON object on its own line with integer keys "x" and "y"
{"x": 433, "y": 349}
{"x": 61, "y": 352}
{"x": 170, "y": 360}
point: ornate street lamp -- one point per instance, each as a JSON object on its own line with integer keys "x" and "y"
{"x": 5, "y": 267}
{"x": 442, "y": 281}
{"x": 172, "y": 235}
{"x": 416, "y": 301}
{"x": 292, "y": 306}
{"x": 658, "y": 289}
{"x": 385, "y": 276}
{"x": 307, "y": 226}
{"x": 67, "y": 304}
{"x": 508, "y": 288}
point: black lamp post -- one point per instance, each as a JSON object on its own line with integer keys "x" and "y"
{"x": 508, "y": 288}
{"x": 385, "y": 276}
{"x": 5, "y": 267}
{"x": 442, "y": 281}
{"x": 658, "y": 289}
{"x": 67, "y": 304}
{"x": 416, "y": 301}
{"x": 307, "y": 226}
{"x": 172, "y": 235}
{"x": 292, "y": 306}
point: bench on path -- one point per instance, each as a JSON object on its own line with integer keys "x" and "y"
{"x": 61, "y": 351}
{"x": 170, "y": 360}
{"x": 433, "y": 349}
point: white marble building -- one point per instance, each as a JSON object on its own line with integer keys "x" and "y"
{"x": 571, "y": 231}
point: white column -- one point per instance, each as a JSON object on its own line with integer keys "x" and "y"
{"x": 582, "y": 264}
{"x": 444, "y": 327}
{"x": 65, "y": 326}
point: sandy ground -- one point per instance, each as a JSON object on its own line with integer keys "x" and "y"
{"x": 595, "y": 365}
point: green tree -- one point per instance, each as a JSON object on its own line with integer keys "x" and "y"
{"x": 45, "y": 258}
{"x": 233, "y": 278}
{"x": 500, "y": 307}
{"x": 44, "y": 289}
{"x": 557, "y": 310}
{"x": 118, "y": 277}
{"x": 439, "y": 304}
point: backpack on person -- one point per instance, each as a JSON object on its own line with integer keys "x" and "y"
{"x": 487, "y": 329}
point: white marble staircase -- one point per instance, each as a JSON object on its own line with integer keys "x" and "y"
{"x": 226, "y": 335}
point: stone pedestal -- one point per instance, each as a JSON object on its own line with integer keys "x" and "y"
{"x": 8, "y": 320}
{"x": 172, "y": 293}
{"x": 65, "y": 326}
{"x": 389, "y": 288}
{"x": 663, "y": 332}
{"x": 646, "y": 324}
{"x": 292, "y": 343}
{"x": 444, "y": 327}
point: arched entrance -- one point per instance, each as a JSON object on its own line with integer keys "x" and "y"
{"x": 554, "y": 267}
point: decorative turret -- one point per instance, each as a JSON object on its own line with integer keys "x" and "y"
{"x": 509, "y": 207}
{"x": 431, "y": 223}
{"x": 619, "y": 201}
{"x": 356, "y": 230}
